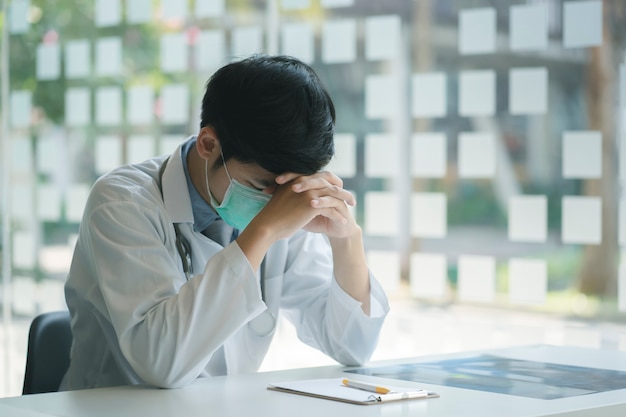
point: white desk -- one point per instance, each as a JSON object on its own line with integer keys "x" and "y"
{"x": 245, "y": 395}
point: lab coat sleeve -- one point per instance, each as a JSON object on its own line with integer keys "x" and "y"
{"x": 324, "y": 315}
{"x": 166, "y": 331}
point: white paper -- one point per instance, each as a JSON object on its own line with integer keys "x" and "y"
{"x": 429, "y": 155}
{"x": 477, "y": 31}
{"x": 477, "y": 278}
{"x": 477, "y": 95}
{"x": 77, "y": 106}
{"x": 381, "y": 96}
{"x": 48, "y": 61}
{"x": 108, "y": 13}
{"x": 429, "y": 95}
{"x": 77, "y": 59}
{"x": 21, "y": 108}
{"x": 429, "y": 275}
{"x": 528, "y": 90}
{"x": 343, "y": 163}
{"x": 108, "y": 57}
{"x": 140, "y": 148}
{"x": 477, "y": 155}
{"x": 582, "y": 220}
{"x": 175, "y": 104}
{"x": 336, "y": 3}
{"x": 382, "y": 37}
{"x": 75, "y": 200}
{"x": 381, "y": 156}
{"x": 108, "y": 106}
{"x": 582, "y": 24}
{"x": 23, "y": 301}
{"x": 48, "y": 155}
{"x": 429, "y": 217}
{"x": 379, "y": 217}
{"x": 24, "y": 248}
{"x": 529, "y": 27}
{"x": 385, "y": 266}
{"x": 174, "y": 9}
{"x": 528, "y": 218}
{"x": 22, "y": 156}
{"x": 339, "y": 41}
{"x": 140, "y": 105}
{"x": 209, "y": 8}
{"x": 210, "y": 50}
{"x": 528, "y": 281}
{"x": 48, "y": 203}
{"x": 139, "y": 11}
{"x": 295, "y": 4}
{"x": 174, "y": 53}
{"x": 22, "y": 202}
{"x": 56, "y": 259}
{"x": 246, "y": 41}
{"x": 18, "y": 16}
{"x": 169, "y": 143}
{"x": 582, "y": 154}
{"x": 297, "y": 40}
{"x": 108, "y": 153}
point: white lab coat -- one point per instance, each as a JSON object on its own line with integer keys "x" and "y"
{"x": 136, "y": 319}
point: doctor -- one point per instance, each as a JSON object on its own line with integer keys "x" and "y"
{"x": 183, "y": 262}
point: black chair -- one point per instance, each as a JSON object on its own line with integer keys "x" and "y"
{"x": 48, "y": 356}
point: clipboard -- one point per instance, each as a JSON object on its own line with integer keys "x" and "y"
{"x": 333, "y": 389}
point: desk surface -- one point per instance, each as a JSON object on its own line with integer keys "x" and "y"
{"x": 241, "y": 395}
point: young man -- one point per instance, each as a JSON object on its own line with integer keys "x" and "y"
{"x": 183, "y": 263}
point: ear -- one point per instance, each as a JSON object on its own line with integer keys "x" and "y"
{"x": 207, "y": 143}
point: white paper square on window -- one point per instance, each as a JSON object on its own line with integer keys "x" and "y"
{"x": 247, "y": 41}
{"x": 429, "y": 155}
{"x": 174, "y": 9}
{"x": 429, "y": 95}
{"x": 380, "y": 209}
{"x": 22, "y": 202}
{"x": 382, "y": 37}
{"x": 381, "y": 156}
{"x": 48, "y": 61}
{"x": 108, "y": 56}
{"x": 429, "y": 216}
{"x": 175, "y": 104}
{"x": 429, "y": 275}
{"x": 477, "y": 155}
{"x": 582, "y": 24}
{"x": 343, "y": 163}
{"x": 108, "y": 153}
{"x": 21, "y": 108}
{"x": 140, "y": 105}
{"x": 109, "y": 106}
{"x": 210, "y": 50}
{"x": 528, "y": 281}
{"x": 298, "y": 41}
{"x": 528, "y": 218}
{"x": 140, "y": 148}
{"x": 381, "y": 96}
{"x": 77, "y": 59}
{"x": 77, "y": 106}
{"x": 529, "y": 27}
{"x": 49, "y": 203}
{"x": 477, "y": 31}
{"x": 108, "y": 13}
{"x": 339, "y": 41}
{"x": 75, "y": 200}
{"x": 18, "y": 16}
{"x": 24, "y": 250}
{"x": 528, "y": 90}
{"x": 477, "y": 278}
{"x": 22, "y": 156}
{"x": 139, "y": 11}
{"x": 49, "y": 155}
{"x": 582, "y": 154}
{"x": 385, "y": 266}
{"x": 295, "y": 4}
{"x": 582, "y": 220}
{"x": 23, "y": 301}
{"x": 477, "y": 95}
{"x": 174, "y": 53}
{"x": 336, "y": 3}
{"x": 210, "y": 8}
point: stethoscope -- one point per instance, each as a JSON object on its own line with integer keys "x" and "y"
{"x": 263, "y": 324}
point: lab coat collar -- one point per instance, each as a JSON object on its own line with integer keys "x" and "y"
{"x": 175, "y": 193}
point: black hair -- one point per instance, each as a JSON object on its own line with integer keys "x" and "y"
{"x": 272, "y": 111}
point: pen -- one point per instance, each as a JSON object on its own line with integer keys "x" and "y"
{"x": 365, "y": 386}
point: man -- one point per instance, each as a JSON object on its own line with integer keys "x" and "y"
{"x": 183, "y": 263}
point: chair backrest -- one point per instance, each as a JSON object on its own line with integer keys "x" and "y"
{"x": 48, "y": 356}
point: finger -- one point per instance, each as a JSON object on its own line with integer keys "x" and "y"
{"x": 286, "y": 177}
{"x": 334, "y": 215}
{"x": 316, "y": 181}
{"x": 323, "y": 202}
{"x": 336, "y": 193}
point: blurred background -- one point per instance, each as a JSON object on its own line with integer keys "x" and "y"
{"x": 483, "y": 140}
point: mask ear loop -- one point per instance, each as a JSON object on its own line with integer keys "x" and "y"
{"x": 206, "y": 173}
